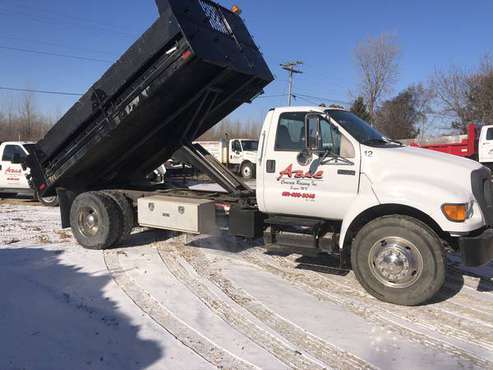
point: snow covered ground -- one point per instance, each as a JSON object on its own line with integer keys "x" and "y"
{"x": 159, "y": 304}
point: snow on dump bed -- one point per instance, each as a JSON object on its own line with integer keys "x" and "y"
{"x": 157, "y": 303}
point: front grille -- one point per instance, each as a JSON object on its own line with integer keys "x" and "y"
{"x": 483, "y": 192}
{"x": 213, "y": 14}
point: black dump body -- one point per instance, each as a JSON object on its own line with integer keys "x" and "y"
{"x": 195, "y": 65}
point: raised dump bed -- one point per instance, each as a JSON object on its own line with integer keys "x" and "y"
{"x": 195, "y": 65}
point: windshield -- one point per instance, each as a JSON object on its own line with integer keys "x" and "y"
{"x": 359, "y": 129}
{"x": 250, "y": 145}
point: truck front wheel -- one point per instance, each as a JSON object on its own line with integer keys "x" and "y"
{"x": 96, "y": 220}
{"x": 247, "y": 170}
{"x": 399, "y": 259}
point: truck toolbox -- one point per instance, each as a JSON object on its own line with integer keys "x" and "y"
{"x": 194, "y": 216}
{"x": 196, "y": 64}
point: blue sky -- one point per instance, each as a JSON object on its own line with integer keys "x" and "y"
{"x": 322, "y": 33}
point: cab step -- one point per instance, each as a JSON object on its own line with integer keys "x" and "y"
{"x": 288, "y": 242}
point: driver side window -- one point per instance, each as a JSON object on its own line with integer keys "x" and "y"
{"x": 10, "y": 151}
{"x": 236, "y": 146}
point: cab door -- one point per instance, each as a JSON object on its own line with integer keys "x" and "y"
{"x": 486, "y": 144}
{"x": 293, "y": 186}
{"x": 12, "y": 175}
{"x": 339, "y": 160}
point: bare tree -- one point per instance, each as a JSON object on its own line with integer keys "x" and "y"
{"x": 22, "y": 121}
{"x": 451, "y": 89}
{"x": 233, "y": 129}
{"x": 480, "y": 96}
{"x": 377, "y": 62}
{"x": 465, "y": 96}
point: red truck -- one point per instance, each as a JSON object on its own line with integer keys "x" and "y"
{"x": 477, "y": 144}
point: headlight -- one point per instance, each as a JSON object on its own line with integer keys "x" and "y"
{"x": 456, "y": 212}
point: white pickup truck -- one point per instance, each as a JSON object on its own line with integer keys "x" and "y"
{"x": 13, "y": 177}
{"x": 239, "y": 155}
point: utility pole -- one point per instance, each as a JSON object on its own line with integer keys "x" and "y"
{"x": 291, "y": 68}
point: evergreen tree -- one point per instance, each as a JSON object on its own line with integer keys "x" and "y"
{"x": 360, "y": 109}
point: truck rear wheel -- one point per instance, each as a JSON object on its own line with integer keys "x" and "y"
{"x": 127, "y": 212}
{"x": 96, "y": 220}
{"x": 399, "y": 259}
{"x": 247, "y": 170}
{"x": 47, "y": 201}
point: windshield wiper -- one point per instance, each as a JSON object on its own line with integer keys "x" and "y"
{"x": 381, "y": 141}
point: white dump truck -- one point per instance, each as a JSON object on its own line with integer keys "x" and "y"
{"x": 239, "y": 155}
{"x": 327, "y": 182}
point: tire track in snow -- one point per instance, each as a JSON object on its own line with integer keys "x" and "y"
{"x": 443, "y": 318}
{"x": 202, "y": 346}
{"x": 367, "y": 309}
{"x": 315, "y": 346}
{"x": 232, "y": 316}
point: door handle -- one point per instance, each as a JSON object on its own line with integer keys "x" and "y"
{"x": 346, "y": 172}
{"x": 270, "y": 166}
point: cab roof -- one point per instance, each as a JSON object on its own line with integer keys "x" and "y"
{"x": 313, "y": 108}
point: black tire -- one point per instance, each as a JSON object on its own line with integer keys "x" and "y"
{"x": 109, "y": 220}
{"x": 47, "y": 201}
{"x": 127, "y": 212}
{"x": 247, "y": 170}
{"x": 406, "y": 239}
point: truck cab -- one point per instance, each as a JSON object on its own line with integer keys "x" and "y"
{"x": 242, "y": 156}
{"x": 485, "y": 147}
{"x": 13, "y": 176}
{"x": 390, "y": 207}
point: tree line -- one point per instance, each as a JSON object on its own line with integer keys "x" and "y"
{"x": 21, "y": 121}
{"x": 454, "y": 97}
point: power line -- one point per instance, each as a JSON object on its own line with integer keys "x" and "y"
{"x": 39, "y": 91}
{"x": 56, "y": 44}
{"x": 64, "y": 23}
{"x": 324, "y": 99}
{"x": 53, "y": 14}
{"x": 40, "y": 52}
{"x": 271, "y": 96}
{"x": 305, "y": 99}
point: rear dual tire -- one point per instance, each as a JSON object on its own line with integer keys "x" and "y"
{"x": 101, "y": 220}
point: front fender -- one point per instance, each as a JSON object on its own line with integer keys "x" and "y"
{"x": 365, "y": 200}
{"x": 425, "y": 196}
{"x": 428, "y": 196}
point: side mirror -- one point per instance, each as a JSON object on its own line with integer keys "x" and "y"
{"x": 304, "y": 157}
{"x": 16, "y": 159}
{"x": 312, "y": 131}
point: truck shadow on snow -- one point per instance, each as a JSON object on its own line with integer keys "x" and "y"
{"x": 53, "y": 315}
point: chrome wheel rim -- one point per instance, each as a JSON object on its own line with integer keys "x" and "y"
{"x": 395, "y": 262}
{"x": 49, "y": 199}
{"x": 88, "y": 221}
